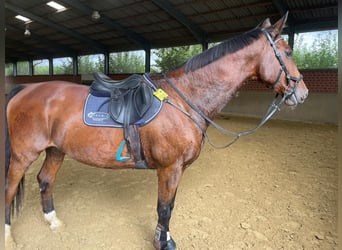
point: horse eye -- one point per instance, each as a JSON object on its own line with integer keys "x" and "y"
{"x": 288, "y": 53}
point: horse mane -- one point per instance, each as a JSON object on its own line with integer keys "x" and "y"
{"x": 227, "y": 47}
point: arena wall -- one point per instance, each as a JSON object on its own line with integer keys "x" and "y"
{"x": 321, "y": 106}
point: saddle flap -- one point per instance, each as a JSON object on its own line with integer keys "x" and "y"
{"x": 116, "y": 104}
{"x": 142, "y": 98}
{"x": 131, "y": 105}
{"x": 129, "y": 99}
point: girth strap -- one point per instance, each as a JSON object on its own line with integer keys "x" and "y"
{"x": 134, "y": 144}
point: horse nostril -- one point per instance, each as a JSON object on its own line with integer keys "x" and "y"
{"x": 302, "y": 99}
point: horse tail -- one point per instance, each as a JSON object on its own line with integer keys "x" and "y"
{"x": 20, "y": 193}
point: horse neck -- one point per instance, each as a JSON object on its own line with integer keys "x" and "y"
{"x": 211, "y": 87}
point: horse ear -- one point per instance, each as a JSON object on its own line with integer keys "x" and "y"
{"x": 266, "y": 23}
{"x": 279, "y": 26}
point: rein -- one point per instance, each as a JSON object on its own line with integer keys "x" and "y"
{"x": 273, "y": 108}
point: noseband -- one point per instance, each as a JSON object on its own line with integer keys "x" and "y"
{"x": 290, "y": 90}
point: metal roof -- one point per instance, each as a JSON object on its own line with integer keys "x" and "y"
{"x": 141, "y": 24}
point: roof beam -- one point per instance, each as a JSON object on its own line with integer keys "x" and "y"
{"x": 282, "y": 7}
{"x": 196, "y": 31}
{"x": 51, "y": 43}
{"x": 100, "y": 47}
{"x": 316, "y": 25}
{"x": 31, "y": 56}
{"x": 310, "y": 25}
{"x": 135, "y": 37}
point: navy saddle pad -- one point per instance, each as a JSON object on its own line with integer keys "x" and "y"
{"x": 96, "y": 112}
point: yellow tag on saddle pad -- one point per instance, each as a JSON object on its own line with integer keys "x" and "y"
{"x": 160, "y": 94}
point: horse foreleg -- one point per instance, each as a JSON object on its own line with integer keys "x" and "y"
{"x": 46, "y": 178}
{"x": 168, "y": 180}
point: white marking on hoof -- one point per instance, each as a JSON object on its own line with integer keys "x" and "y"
{"x": 52, "y": 219}
{"x": 9, "y": 242}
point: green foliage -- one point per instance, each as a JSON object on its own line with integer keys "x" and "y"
{"x": 41, "y": 70}
{"x": 9, "y": 69}
{"x": 90, "y": 63}
{"x": 65, "y": 67}
{"x": 321, "y": 54}
{"x": 23, "y": 68}
{"x": 41, "y": 67}
{"x": 169, "y": 58}
{"x": 126, "y": 62}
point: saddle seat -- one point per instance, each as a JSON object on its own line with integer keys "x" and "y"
{"x": 129, "y": 98}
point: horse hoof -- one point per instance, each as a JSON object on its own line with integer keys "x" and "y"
{"x": 165, "y": 245}
{"x": 56, "y": 226}
{"x": 9, "y": 242}
{"x": 55, "y": 223}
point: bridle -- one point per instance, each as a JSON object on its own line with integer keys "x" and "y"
{"x": 289, "y": 90}
{"x": 273, "y": 108}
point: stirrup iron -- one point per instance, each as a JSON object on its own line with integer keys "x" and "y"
{"x": 119, "y": 156}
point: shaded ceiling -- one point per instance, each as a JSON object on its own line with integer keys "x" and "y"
{"x": 140, "y": 24}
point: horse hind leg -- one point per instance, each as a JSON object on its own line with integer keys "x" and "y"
{"x": 14, "y": 191}
{"x": 46, "y": 178}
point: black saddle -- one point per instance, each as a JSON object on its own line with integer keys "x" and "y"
{"x": 129, "y": 98}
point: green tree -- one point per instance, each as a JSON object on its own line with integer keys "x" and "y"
{"x": 40, "y": 67}
{"x": 169, "y": 58}
{"x": 126, "y": 62}
{"x": 321, "y": 53}
{"x": 23, "y": 68}
{"x": 65, "y": 67}
{"x": 90, "y": 63}
{"x": 9, "y": 69}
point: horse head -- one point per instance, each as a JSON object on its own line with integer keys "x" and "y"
{"x": 277, "y": 68}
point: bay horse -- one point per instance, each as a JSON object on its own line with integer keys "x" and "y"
{"x": 48, "y": 117}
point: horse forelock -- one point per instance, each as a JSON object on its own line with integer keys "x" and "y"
{"x": 227, "y": 47}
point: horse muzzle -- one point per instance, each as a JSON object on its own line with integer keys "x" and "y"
{"x": 297, "y": 97}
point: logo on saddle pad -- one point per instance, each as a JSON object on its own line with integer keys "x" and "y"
{"x": 98, "y": 116}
